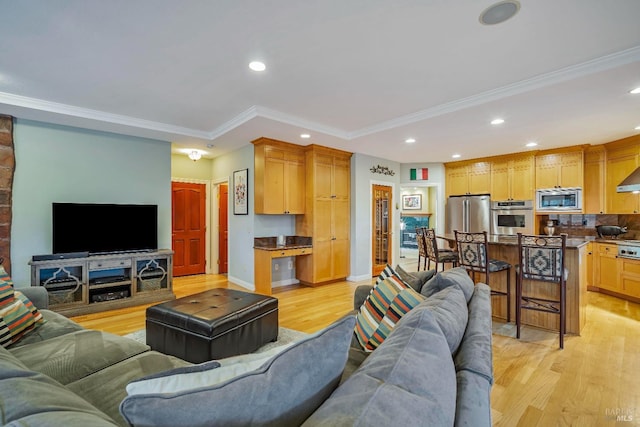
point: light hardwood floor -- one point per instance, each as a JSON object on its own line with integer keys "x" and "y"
{"x": 595, "y": 379}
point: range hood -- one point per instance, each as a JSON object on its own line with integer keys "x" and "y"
{"x": 630, "y": 183}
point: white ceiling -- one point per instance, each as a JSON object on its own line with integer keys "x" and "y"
{"x": 359, "y": 75}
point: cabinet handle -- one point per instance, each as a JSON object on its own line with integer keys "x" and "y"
{"x": 281, "y": 253}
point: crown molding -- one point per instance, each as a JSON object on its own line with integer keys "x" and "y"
{"x": 292, "y": 120}
{"x": 100, "y": 116}
{"x": 575, "y": 71}
{"x": 572, "y": 72}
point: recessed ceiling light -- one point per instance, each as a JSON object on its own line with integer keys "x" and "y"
{"x": 499, "y": 12}
{"x": 257, "y": 66}
{"x": 305, "y": 136}
{"x": 637, "y": 128}
{"x": 456, "y": 156}
{"x": 635, "y": 91}
{"x": 531, "y": 144}
{"x": 410, "y": 140}
{"x": 497, "y": 121}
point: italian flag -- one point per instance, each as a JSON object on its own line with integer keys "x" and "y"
{"x": 419, "y": 174}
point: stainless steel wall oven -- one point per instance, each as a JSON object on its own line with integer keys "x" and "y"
{"x": 511, "y": 217}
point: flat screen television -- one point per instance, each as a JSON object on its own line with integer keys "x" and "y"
{"x": 104, "y": 228}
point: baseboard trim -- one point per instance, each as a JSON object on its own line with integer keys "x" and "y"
{"x": 360, "y": 278}
{"x": 247, "y": 285}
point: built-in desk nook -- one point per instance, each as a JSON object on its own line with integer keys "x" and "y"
{"x": 265, "y": 249}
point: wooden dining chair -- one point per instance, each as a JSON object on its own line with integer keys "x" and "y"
{"x": 473, "y": 254}
{"x": 541, "y": 261}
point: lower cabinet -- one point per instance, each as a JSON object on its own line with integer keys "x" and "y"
{"x": 91, "y": 284}
{"x": 605, "y": 266}
{"x": 630, "y": 277}
{"x": 615, "y": 274}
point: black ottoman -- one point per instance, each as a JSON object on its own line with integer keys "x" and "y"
{"x": 212, "y": 325}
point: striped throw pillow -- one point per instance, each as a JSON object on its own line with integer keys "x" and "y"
{"x": 15, "y": 320}
{"x": 6, "y": 293}
{"x": 387, "y": 302}
{"x": 5, "y": 276}
{"x": 37, "y": 316}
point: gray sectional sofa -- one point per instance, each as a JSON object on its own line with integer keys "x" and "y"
{"x": 434, "y": 369}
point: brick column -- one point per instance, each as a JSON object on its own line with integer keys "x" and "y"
{"x": 7, "y": 167}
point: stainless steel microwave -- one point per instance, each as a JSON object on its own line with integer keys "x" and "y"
{"x": 559, "y": 200}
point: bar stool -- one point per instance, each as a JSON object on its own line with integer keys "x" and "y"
{"x": 422, "y": 250}
{"x": 542, "y": 259}
{"x": 473, "y": 250}
{"x": 435, "y": 254}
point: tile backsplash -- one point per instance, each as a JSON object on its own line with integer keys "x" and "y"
{"x": 578, "y": 225}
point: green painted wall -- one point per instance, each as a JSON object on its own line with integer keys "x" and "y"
{"x": 65, "y": 164}
{"x": 183, "y": 167}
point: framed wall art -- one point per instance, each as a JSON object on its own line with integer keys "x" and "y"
{"x": 241, "y": 192}
{"x": 412, "y": 202}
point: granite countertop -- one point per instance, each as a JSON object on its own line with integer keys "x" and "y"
{"x": 291, "y": 242}
{"x": 572, "y": 242}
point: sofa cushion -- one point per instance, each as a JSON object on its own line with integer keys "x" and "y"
{"x": 33, "y": 399}
{"x": 203, "y": 374}
{"x": 450, "y": 311}
{"x": 55, "y": 325}
{"x": 106, "y": 388}
{"x": 417, "y": 279}
{"x": 370, "y": 328}
{"x": 475, "y": 353}
{"x": 283, "y": 391}
{"x": 409, "y": 380}
{"x": 453, "y": 277}
{"x": 69, "y": 357}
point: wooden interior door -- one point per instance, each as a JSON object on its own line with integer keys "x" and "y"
{"x": 223, "y": 228}
{"x": 382, "y": 226}
{"x": 188, "y": 213}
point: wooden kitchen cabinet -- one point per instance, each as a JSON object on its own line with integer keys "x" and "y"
{"x": 593, "y": 193}
{"x": 279, "y": 178}
{"x": 512, "y": 178}
{"x": 605, "y": 267}
{"x": 468, "y": 178}
{"x": 327, "y": 216}
{"x": 589, "y": 265}
{"x": 559, "y": 169}
{"x": 630, "y": 277}
{"x": 622, "y": 159}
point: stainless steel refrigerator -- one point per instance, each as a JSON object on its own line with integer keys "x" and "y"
{"x": 468, "y": 213}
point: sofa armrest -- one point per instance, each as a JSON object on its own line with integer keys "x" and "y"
{"x": 361, "y": 294}
{"x": 38, "y": 296}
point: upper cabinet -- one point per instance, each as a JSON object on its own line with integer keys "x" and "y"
{"x": 468, "y": 178}
{"x": 279, "y": 177}
{"x": 622, "y": 159}
{"x": 593, "y": 193}
{"x": 512, "y": 177}
{"x": 327, "y": 217}
{"x": 559, "y": 169}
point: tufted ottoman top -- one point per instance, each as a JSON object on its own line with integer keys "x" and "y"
{"x": 212, "y": 312}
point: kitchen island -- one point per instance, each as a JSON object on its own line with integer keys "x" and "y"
{"x": 505, "y": 248}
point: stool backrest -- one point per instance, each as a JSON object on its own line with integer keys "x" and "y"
{"x": 422, "y": 250}
{"x": 472, "y": 250}
{"x": 542, "y": 257}
{"x": 431, "y": 244}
